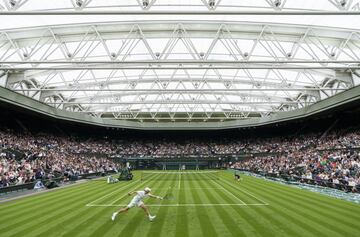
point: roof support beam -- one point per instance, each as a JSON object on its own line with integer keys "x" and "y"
{"x": 188, "y": 102}
{"x": 14, "y": 77}
{"x": 289, "y": 67}
{"x": 184, "y": 62}
{"x": 3, "y": 78}
{"x": 346, "y": 77}
{"x": 207, "y": 13}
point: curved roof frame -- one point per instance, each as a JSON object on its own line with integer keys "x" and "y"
{"x": 210, "y": 73}
{"x": 276, "y": 5}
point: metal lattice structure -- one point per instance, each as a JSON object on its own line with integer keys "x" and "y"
{"x": 212, "y": 5}
{"x": 179, "y": 70}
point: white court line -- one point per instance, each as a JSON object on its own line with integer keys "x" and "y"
{"x": 121, "y": 188}
{"x": 185, "y": 205}
{"x": 190, "y": 188}
{"x": 179, "y": 180}
{"x": 242, "y": 202}
{"x": 244, "y": 191}
{"x": 201, "y": 188}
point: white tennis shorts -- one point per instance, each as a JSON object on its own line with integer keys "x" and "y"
{"x": 134, "y": 203}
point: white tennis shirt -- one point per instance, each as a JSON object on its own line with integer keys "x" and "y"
{"x": 140, "y": 195}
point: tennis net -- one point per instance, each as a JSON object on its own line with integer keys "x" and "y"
{"x": 166, "y": 175}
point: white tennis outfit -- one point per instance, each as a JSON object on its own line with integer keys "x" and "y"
{"x": 137, "y": 200}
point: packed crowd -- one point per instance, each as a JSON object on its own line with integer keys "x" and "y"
{"x": 338, "y": 168}
{"x": 25, "y": 158}
{"x": 233, "y": 146}
{"x": 45, "y": 155}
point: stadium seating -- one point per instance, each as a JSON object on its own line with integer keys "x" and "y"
{"x": 332, "y": 160}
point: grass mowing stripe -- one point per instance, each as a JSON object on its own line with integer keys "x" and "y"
{"x": 292, "y": 212}
{"x": 198, "y": 216}
{"x": 325, "y": 202}
{"x": 202, "y": 214}
{"x": 31, "y": 201}
{"x": 316, "y": 224}
{"x": 107, "y": 195}
{"x": 181, "y": 227}
{"x": 232, "y": 227}
{"x": 157, "y": 228}
{"x": 134, "y": 222}
{"x": 330, "y": 203}
{"x": 228, "y": 192}
{"x": 40, "y": 195}
{"x": 131, "y": 228}
{"x": 231, "y": 187}
{"x": 331, "y": 223}
{"x": 259, "y": 220}
{"x": 81, "y": 210}
{"x": 284, "y": 216}
{"x": 106, "y": 227}
{"x": 252, "y": 215}
{"x": 111, "y": 198}
{"x": 335, "y": 219}
{"x": 17, "y": 202}
{"x": 256, "y": 222}
{"x": 158, "y": 211}
{"x": 246, "y": 193}
{"x": 292, "y": 222}
{"x": 156, "y": 189}
{"x": 95, "y": 214}
{"x": 41, "y": 219}
{"x": 55, "y": 200}
{"x": 36, "y": 210}
{"x": 108, "y": 199}
{"x": 344, "y": 205}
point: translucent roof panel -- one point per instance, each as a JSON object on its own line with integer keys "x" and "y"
{"x": 175, "y": 67}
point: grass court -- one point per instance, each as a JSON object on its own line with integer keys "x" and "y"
{"x": 197, "y": 207}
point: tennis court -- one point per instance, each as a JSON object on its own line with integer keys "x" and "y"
{"x": 196, "y": 205}
{"x": 207, "y": 188}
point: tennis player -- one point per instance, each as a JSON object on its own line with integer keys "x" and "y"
{"x": 137, "y": 201}
{"x": 237, "y": 175}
